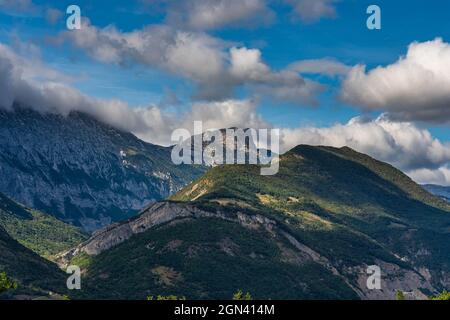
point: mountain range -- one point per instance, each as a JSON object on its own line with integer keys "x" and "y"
{"x": 81, "y": 170}
{"x": 309, "y": 232}
{"x": 441, "y": 191}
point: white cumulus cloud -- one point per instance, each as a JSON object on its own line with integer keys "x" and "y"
{"x": 403, "y": 144}
{"x": 216, "y": 67}
{"x": 33, "y": 85}
{"x": 415, "y": 88}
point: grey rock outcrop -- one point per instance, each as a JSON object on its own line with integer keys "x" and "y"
{"x": 83, "y": 171}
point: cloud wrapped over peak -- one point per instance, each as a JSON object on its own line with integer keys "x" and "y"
{"x": 415, "y": 88}
{"x": 31, "y": 84}
{"x": 157, "y": 126}
{"x": 20, "y": 74}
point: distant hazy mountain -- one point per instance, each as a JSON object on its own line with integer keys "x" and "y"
{"x": 81, "y": 170}
{"x": 441, "y": 191}
{"x": 230, "y": 147}
{"x": 309, "y": 232}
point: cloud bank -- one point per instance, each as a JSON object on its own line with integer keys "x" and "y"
{"x": 402, "y": 144}
{"x": 415, "y": 88}
{"x": 27, "y": 8}
{"x": 33, "y": 85}
{"x": 216, "y": 67}
{"x": 215, "y": 14}
{"x": 17, "y": 7}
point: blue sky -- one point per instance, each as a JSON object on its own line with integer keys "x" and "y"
{"x": 283, "y": 32}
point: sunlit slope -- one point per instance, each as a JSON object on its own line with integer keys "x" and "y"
{"x": 344, "y": 204}
{"x": 309, "y": 232}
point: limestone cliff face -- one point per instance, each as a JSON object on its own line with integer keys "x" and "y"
{"x": 153, "y": 216}
{"x": 393, "y": 278}
{"x": 81, "y": 170}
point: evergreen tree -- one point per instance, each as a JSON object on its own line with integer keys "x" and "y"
{"x": 239, "y": 295}
{"x": 6, "y": 283}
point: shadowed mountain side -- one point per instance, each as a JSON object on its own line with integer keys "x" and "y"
{"x": 35, "y": 276}
{"x": 83, "y": 171}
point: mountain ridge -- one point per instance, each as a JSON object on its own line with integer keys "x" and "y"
{"x": 81, "y": 170}
{"x": 334, "y": 209}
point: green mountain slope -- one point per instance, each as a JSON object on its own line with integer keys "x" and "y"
{"x": 321, "y": 188}
{"x": 37, "y": 231}
{"x": 313, "y": 229}
{"x": 35, "y": 276}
